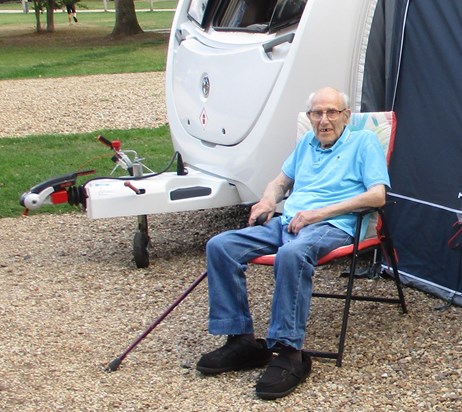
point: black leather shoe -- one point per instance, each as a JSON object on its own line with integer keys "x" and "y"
{"x": 235, "y": 355}
{"x": 282, "y": 376}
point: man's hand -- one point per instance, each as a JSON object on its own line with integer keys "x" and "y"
{"x": 304, "y": 218}
{"x": 272, "y": 195}
{"x": 259, "y": 211}
{"x": 374, "y": 197}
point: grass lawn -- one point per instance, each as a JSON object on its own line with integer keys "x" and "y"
{"x": 26, "y": 162}
{"x": 80, "y": 49}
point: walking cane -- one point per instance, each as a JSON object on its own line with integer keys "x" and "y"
{"x": 114, "y": 364}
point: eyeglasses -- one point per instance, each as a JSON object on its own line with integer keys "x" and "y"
{"x": 331, "y": 114}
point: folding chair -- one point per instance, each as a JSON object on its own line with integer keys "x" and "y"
{"x": 377, "y": 238}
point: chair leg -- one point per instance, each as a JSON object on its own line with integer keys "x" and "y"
{"x": 348, "y": 296}
{"x": 396, "y": 277}
{"x": 390, "y": 251}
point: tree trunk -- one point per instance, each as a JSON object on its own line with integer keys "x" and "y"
{"x": 38, "y": 23}
{"x": 50, "y": 4}
{"x": 126, "y": 23}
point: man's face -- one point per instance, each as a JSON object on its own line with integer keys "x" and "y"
{"x": 333, "y": 119}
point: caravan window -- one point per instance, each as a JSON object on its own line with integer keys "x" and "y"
{"x": 247, "y": 15}
{"x": 286, "y": 13}
{"x": 197, "y": 10}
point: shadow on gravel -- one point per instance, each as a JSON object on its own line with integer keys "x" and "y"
{"x": 178, "y": 233}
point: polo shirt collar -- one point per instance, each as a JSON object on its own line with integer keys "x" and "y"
{"x": 314, "y": 142}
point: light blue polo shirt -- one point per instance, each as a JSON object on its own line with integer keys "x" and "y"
{"x": 355, "y": 163}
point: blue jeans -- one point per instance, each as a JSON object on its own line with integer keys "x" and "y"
{"x": 296, "y": 257}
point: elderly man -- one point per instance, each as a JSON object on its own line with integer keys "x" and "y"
{"x": 331, "y": 172}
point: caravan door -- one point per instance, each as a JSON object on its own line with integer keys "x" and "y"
{"x": 227, "y": 57}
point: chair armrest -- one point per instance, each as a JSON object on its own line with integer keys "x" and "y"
{"x": 365, "y": 211}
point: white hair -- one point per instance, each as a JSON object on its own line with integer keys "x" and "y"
{"x": 344, "y": 96}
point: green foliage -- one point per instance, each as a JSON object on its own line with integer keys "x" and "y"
{"x": 25, "y": 162}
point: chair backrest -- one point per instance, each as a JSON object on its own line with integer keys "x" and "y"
{"x": 383, "y": 124}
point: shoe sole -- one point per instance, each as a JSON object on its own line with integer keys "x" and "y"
{"x": 271, "y": 396}
{"x": 275, "y": 395}
{"x": 216, "y": 371}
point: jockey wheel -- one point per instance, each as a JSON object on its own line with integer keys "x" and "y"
{"x": 141, "y": 243}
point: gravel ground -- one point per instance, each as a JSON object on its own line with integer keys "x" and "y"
{"x": 82, "y": 104}
{"x": 71, "y": 300}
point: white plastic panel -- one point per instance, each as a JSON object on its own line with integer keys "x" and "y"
{"x": 240, "y": 81}
{"x": 164, "y": 193}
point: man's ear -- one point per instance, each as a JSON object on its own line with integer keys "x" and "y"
{"x": 347, "y": 114}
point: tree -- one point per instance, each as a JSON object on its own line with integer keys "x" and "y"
{"x": 39, "y": 7}
{"x": 49, "y": 6}
{"x": 126, "y": 23}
